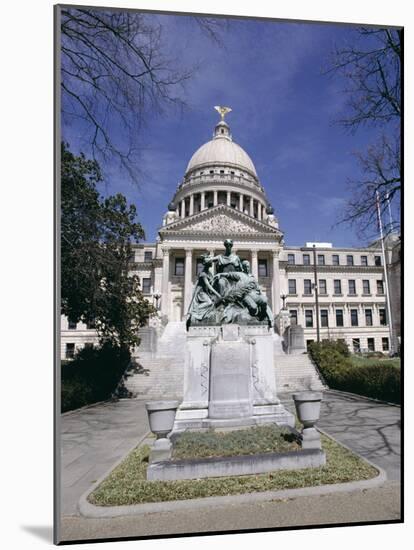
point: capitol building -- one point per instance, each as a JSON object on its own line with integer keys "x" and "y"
{"x": 221, "y": 196}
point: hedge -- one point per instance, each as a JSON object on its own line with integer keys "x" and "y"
{"x": 93, "y": 375}
{"x": 380, "y": 381}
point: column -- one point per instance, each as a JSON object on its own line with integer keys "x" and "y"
{"x": 241, "y": 202}
{"x": 183, "y": 208}
{"x": 259, "y": 211}
{"x": 255, "y": 270}
{"x": 215, "y": 201}
{"x": 165, "y": 297}
{"x": 191, "y": 204}
{"x": 188, "y": 286}
{"x": 228, "y": 198}
{"x": 251, "y": 207}
{"x": 203, "y": 200}
{"x": 275, "y": 282}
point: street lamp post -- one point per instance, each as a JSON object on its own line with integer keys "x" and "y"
{"x": 315, "y": 286}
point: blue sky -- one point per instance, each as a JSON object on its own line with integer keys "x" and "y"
{"x": 270, "y": 74}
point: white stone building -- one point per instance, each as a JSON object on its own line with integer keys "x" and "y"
{"x": 221, "y": 196}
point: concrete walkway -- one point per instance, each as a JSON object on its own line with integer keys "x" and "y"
{"x": 369, "y": 428}
{"x": 93, "y": 439}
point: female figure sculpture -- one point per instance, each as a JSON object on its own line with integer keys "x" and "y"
{"x": 202, "y": 306}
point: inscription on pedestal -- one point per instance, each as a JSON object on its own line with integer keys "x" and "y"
{"x": 230, "y": 381}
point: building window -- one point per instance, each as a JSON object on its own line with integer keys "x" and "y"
{"x": 72, "y": 325}
{"x": 308, "y": 318}
{"x": 293, "y": 313}
{"x": 322, "y": 286}
{"x": 146, "y": 285}
{"x": 339, "y": 317}
{"x": 306, "y": 259}
{"x": 337, "y": 286}
{"x": 385, "y": 344}
{"x": 364, "y": 260}
{"x": 368, "y": 317}
{"x": 324, "y": 317}
{"x": 335, "y": 259}
{"x": 262, "y": 268}
{"x": 380, "y": 287}
{"x": 351, "y": 287}
{"x": 377, "y": 260}
{"x": 211, "y": 171}
{"x": 356, "y": 345}
{"x": 292, "y": 286}
{"x": 70, "y": 351}
{"x": 291, "y": 259}
{"x": 88, "y": 345}
{"x": 349, "y": 260}
{"x": 365, "y": 287}
{"x": 354, "y": 317}
{"x": 321, "y": 259}
{"x": 222, "y": 171}
{"x": 199, "y": 266}
{"x": 307, "y": 286}
{"x": 383, "y": 317}
{"x": 179, "y": 267}
{"x": 371, "y": 344}
{"x": 147, "y": 255}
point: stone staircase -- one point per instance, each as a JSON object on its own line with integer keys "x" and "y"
{"x": 296, "y": 373}
{"x": 162, "y": 375}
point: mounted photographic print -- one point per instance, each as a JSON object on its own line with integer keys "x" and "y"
{"x": 229, "y": 339}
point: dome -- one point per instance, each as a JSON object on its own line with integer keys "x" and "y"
{"x": 221, "y": 150}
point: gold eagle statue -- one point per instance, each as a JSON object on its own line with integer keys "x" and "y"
{"x": 222, "y": 110}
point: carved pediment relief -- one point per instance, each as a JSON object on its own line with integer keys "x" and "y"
{"x": 220, "y": 220}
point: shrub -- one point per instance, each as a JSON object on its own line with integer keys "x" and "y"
{"x": 380, "y": 381}
{"x": 93, "y": 375}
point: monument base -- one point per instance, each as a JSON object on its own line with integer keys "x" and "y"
{"x": 229, "y": 379}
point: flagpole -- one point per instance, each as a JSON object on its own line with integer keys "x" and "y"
{"x": 385, "y": 275}
{"x": 387, "y": 197}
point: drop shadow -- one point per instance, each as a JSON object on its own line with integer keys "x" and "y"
{"x": 42, "y": 532}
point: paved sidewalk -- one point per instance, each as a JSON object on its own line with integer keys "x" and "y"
{"x": 369, "y": 428}
{"x": 94, "y": 439}
{"x": 379, "y": 504}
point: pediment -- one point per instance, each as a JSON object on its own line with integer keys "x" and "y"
{"x": 220, "y": 220}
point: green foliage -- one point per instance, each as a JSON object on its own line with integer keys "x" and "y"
{"x": 93, "y": 375}
{"x": 261, "y": 439}
{"x": 374, "y": 378}
{"x": 96, "y": 247}
{"x": 127, "y": 483}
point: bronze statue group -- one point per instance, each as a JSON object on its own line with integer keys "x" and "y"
{"x": 232, "y": 295}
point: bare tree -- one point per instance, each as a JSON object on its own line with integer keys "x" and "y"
{"x": 372, "y": 70}
{"x": 114, "y": 73}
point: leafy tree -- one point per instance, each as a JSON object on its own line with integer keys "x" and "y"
{"x": 372, "y": 68}
{"x": 96, "y": 247}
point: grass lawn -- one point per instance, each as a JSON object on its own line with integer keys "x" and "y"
{"x": 358, "y": 361}
{"x": 261, "y": 439}
{"x": 127, "y": 483}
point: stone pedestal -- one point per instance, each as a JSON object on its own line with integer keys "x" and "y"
{"x": 311, "y": 439}
{"x": 296, "y": 340}
{"x": 282, "y": 321}
{"x": 229, "y": 379}
{"x": 161, "y": 450}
